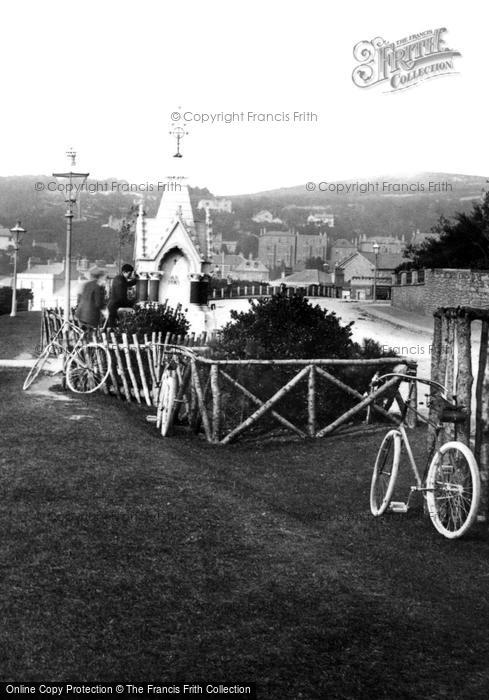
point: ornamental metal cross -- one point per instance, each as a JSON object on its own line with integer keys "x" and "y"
{"x": 72, "y": 154}
{"x": 178, "y": 133}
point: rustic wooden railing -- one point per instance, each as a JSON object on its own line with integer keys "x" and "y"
{"x": 230, "y": 405}
{"x": 309, "y": 398}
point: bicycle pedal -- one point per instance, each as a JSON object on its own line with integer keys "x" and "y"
{"x": 398, "y": 507}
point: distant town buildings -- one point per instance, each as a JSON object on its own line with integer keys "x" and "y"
{"x": 340, "y": 250}
{"x": 291, "y": 249}
{"x": 360, "y": 272}
{"x": 47, "y": 280}
{"x": 321, "y": 218}
{"x": 387, "y": 244}
{"x": 221, "y": 205}
{"x": 251, "y": 271}
{"x": 266, "y": 217}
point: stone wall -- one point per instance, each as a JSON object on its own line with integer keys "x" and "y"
{"x": 442, "y": 287}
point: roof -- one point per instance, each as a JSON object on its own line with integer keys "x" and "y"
{"x": 255, "y": 265}
{"x": 343, "y": 243}
{"x": 304, "y": 278}
{"x": 277, "y": 233}
{"x": 385, "y": 261}
{"x": 51, "y": 269}
{"x": 5, "y": 232}
{"x": 228, "y": 259}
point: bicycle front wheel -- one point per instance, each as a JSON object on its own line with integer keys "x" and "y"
{"x": 385, "y": 472}
{"x": 88, "y": 368}
{"x": 37, "y": 366}
{"x": 453, "y": 489}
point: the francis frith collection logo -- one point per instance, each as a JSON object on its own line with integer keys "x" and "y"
{"x": 403, "y": 63}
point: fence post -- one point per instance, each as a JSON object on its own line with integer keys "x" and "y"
{"x": 484, "y": 448}
{"x": 142, "y": 374}
{"x": 465, "y": 379}
{"x": 216, "y": 403}
{"x": 120, "y": 364}
{"x": 127, "y": 353}
{"x": 480, "y": 388}
{"x": 311, "y": 402}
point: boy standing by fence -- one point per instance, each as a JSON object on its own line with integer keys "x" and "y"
{"x": 118, "y": 292}
{"x": 92, "y": 301}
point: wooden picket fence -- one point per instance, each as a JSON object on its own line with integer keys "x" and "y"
{"x": 224, "y": 399}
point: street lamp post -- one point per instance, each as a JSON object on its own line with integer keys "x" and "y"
{"x": 376, "y": 252}
{"x": 74, "y": 182}
{"x": 17, "y": 232}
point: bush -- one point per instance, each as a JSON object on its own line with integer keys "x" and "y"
{"x": 23, "y": 298}
{"x": 160, "y": 319}
{"x": 292, "y": 328}
{"x": 285, "y": 327}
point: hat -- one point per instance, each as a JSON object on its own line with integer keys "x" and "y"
{"x": 96, "y": 272}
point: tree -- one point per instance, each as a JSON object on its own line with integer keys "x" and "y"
{"x": 463, "y": 243}
{"x": 125, "y": 232}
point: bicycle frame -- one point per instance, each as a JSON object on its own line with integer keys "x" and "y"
{"x": 420, "y": 480}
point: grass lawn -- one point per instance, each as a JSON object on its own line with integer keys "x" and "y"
{"x": 127, "y": 557}
{"x": 19, "y": 335}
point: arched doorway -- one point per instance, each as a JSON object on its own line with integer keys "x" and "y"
{"x": 175, "y": 281}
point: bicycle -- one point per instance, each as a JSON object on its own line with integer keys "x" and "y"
{"x": 450, "y": 482}
{"x": 86, "y": 365}
{"x": 173, "y": 383}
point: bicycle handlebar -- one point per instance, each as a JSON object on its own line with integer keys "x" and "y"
{"x": 414, "y": 378}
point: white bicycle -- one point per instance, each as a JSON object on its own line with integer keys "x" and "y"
{"x": 450, "y": 481}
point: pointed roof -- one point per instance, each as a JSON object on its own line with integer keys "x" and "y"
{"x": 175, "y": 201}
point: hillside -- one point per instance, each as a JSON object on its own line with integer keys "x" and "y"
{"x": 382, "y": 212}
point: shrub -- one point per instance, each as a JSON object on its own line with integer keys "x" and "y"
{"x": 160, "y": 319}
{"x": 23, "y": 297}
{"x": 285, "y": 327}
{"x": 292, "y": 328}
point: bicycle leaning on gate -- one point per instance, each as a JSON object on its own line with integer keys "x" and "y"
{"x": 86, "y": 365}
{"x": 450, "y": 482}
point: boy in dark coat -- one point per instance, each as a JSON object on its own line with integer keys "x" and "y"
{"x": 91, "y": 301}
{"x": 118, "y": 292}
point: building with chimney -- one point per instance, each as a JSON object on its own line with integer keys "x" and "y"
{"x": 291, "y": 249}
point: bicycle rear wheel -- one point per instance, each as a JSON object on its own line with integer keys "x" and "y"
{"x": 166, "y": 401}
{"x": 385, "y": 472}
{"x": 453, "y": 489}
{"x": 88, "y": 368}
{"x": 38, "y": 366}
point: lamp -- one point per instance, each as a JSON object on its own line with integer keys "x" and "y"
{"x": 72, "y": 185}
{"x": 17, "y": 232}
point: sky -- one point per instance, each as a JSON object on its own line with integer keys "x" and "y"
{"x": 105, "y": 78}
